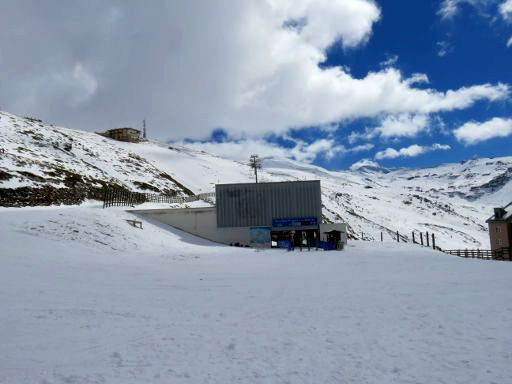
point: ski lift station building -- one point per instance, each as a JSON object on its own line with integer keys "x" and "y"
{"x": 257, "y": 214}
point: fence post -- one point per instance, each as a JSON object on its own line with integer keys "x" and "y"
{"x": 381, "y": 237}
{"x": 428, "y": 240}
{"x": 466, "y": 253}
{"x": 397, "y": 237}
{"x": 421, "y": 238}
{"x": 433, "y": 241}
{"x": 413, "y": 238}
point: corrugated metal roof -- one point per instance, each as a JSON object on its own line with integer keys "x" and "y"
{"x": 251, "y": 204}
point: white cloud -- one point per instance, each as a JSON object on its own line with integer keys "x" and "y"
{"x": 239, "y": 150}
{"x": 324, "y": 147}
{"x": 83, "y": 82}
{"x": 364, "y": 163}
{"x": 326, "y": 21}
{"x": 399, "y": 126}
{"x": 509, "y": 42}
{"x": 449, "y": 8}
{"x": 475, "y": 132}
{"x": 486, "y": 8}
{"x": 355, "y": 136}
{"x": 444, "y": 48}
{"x": 71, "y": 86}
{"x": 257, "y": 74}
{"x": 411, "y": 151}
{"x": 390, "y": 61}
{"x": 301, "y": 151}
{"x": 361, "y": 148}
{"x": 506, "y": 10}
{"x": 403, "y": 125}
{"x": 438, "y": 147}
{"x": 417, "y": 78}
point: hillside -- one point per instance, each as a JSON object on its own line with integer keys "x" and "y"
{"x": 38, "y": 155}
{"x": 453, "y": 200}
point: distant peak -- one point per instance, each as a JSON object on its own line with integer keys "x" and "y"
{"x": 367, "y": 165}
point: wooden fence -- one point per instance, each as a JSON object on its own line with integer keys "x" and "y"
{"x": 424, "y": 239}
{"x": 487, "y": 254}
{"x": 122, "y": 197}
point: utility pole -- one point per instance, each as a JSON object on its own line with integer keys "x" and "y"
{"x": 144, "y": 129}
{"x": 255, "y": 163}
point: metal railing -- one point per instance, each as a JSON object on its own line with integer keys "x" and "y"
{"x": 122, "y": 197}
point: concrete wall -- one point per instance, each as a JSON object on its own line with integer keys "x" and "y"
{"x": 200, "y": 222}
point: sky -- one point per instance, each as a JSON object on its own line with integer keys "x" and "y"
{"x": 337, "y": 83}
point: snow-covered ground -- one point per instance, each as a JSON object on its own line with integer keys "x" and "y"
{"x": 86, "y": 298}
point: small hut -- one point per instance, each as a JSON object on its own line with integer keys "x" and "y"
{"x": 127, "y": 134}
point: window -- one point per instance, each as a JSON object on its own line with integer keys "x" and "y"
{"x": 498, "y": 229}
{"x": 499, "y": 242}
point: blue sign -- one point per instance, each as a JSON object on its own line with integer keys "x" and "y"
{"x": 260, "y": 235}
{"x": 295, "y": 222}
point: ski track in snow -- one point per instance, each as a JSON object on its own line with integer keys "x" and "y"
{"x": 157, "y": 305}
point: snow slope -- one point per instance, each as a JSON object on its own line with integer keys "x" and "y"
{"x": 453, "y": 200}
{"x": 36, "y": 155}
{"x": 86, "y": 298}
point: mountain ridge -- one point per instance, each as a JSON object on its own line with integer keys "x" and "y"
{"x": 451, "y": 200}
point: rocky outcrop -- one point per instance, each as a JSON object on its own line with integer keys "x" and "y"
{"x": 47, "y": 195}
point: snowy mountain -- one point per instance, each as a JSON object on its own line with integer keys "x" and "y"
{"x": 453, "y": 200}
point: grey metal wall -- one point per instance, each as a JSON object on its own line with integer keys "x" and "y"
{"x": 251, "y": 204}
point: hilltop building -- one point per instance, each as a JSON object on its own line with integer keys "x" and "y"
{"x": 500, "y": 228}
{"x": 127, "y": 134}
{"x": 258, "y": 215}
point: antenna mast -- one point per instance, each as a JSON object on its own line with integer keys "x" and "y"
{"x": 255, "y": 163}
